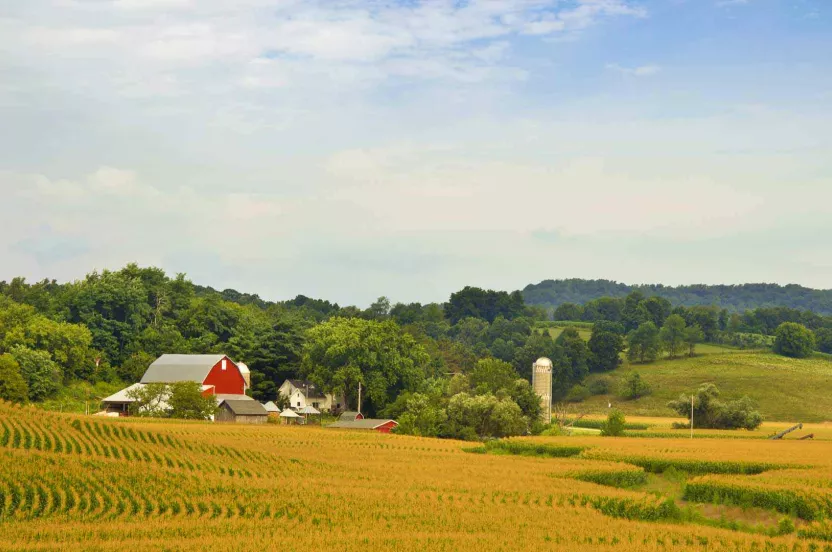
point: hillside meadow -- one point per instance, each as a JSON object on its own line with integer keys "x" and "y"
{"x": 784, "y": 389}
{"x": 81, "y": 483}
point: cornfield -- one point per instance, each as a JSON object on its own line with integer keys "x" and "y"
{"x": 69, "y": 482}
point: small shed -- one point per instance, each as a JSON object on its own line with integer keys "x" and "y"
{"x": 350, "y": 416}
{"x": 382, "y": 426}
{"x": 271, "y": 408}
{"x": 242, "y": 412}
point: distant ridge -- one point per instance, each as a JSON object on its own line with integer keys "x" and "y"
{"x": 735, "y": 298}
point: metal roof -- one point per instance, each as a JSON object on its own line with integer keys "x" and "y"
{"x": 121, "y": 396}
{"x": 366, "y": 423}
{"x": 246, "y": 408}
{"x": 271, "y": 407}
{"x": 348, "y": 416}
{"x": 230, "y": 397}
{"x": 289, "y": 413}
{"x": 172, "y": 368}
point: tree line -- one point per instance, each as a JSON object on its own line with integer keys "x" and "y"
{"x": 550, "y": 294}
{"x": 458, "y": 369}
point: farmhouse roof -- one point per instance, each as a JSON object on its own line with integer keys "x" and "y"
{"x": 366, "y": 423}
{"x": 246, "y": 408}
{"x": 309, "y": 389}
{"x": 172, "y": 368}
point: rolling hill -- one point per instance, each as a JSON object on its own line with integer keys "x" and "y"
{"x": 784, "y": 389}
{"x": 736, "y": 298}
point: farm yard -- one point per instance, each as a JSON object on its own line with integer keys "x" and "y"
{"x": 80, "y": 483}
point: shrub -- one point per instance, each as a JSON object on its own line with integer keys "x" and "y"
{"x": 578, "y": 393}
{"x": 600, "y": 386}
{"x": 711, "y": 413}
{"x": 635, "y": 387}
{"x": 615, "y": 424}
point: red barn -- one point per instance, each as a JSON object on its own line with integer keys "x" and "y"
{"x": 218, "y": 375}
{"x": 382, "y": 426}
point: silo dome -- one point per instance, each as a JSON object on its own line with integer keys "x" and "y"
{"x": 543, "y": 361}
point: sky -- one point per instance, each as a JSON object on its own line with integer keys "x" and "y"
{"x": 348, "y": 149}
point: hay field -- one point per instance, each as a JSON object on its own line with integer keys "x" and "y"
{"x": 73, "y": 483}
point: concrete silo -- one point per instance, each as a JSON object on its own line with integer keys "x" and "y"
{"x": 542, "y": 385}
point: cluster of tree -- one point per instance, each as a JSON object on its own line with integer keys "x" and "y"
{"x": 550, "y": 294}
{"x": 492, "y": 400}
{"x": 182, "y": 400}
{"x": 710, "y": 412}
{"x": 645, "y": 343}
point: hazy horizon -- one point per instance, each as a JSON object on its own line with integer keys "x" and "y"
{"x": 348, "y": 150}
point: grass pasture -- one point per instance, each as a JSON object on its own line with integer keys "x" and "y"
{"x": 784, "y": 389}
{"x": 80, "y": 483}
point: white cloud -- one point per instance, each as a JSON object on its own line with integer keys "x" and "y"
{"x": 639, "y": 71}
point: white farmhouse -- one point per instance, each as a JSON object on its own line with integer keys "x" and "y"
{"x": 301, "y": 393}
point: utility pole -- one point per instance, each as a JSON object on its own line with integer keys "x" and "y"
{"x": 691, "y": 416}
{"x": 359, "y": 397}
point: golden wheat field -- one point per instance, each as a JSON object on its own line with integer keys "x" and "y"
{"x": 75, "y": 483}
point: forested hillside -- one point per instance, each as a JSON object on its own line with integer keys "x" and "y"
{"x": 735, "y": 298}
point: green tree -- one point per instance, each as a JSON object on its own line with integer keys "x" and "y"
{"x": 711, "y": 413}
{"x": 605, "y": 347}
{"x": 421, "y": 417}
{"x": 635, "y": 388}
{"x": 378, "y": 310}
{"x": 482, "y": 416}
{"x": 615, "y": 424}
{"x": 823, "y": 339}
{"x": 342, "y": 352}
{"x": 132, "y": 369}
{"x": 185, "y": 401}
{"x": 42, "y": 375}
{"x": 576, "y": 353}
{"x": 490, "y": 375}
{"x": 794, "y": 340}
{"x": 12, "y": 385}
{"x": 672, "y": 335}
{"x": 643, "y": 343}
{"x": 569, "y": 311}
{"x": 149, "y": 401}
{"x": 693, "y": 336}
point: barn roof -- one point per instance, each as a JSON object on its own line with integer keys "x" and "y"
{"x": 171, "y": 368}
{"x": 246, "y": 408}
{"x": 366, "y": 423}
{"x": 121, "y": 396}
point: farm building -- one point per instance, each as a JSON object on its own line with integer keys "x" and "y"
{"x": 271, "y": 408}
{"x": 350, "y": 416}
{"x": 301, "y": 394}
{"x": 380, "y": 425}
{"x": 219, "y": 376}
{"x": 242, "y": 412}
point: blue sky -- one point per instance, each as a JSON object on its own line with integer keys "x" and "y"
{"x": 354, "y": 148}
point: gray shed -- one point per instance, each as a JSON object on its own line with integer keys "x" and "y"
{"x": 242, "y": 412}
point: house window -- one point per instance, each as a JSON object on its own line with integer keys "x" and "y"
{"x": 314, "y": 405}
{"x": 298, "y": 404}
